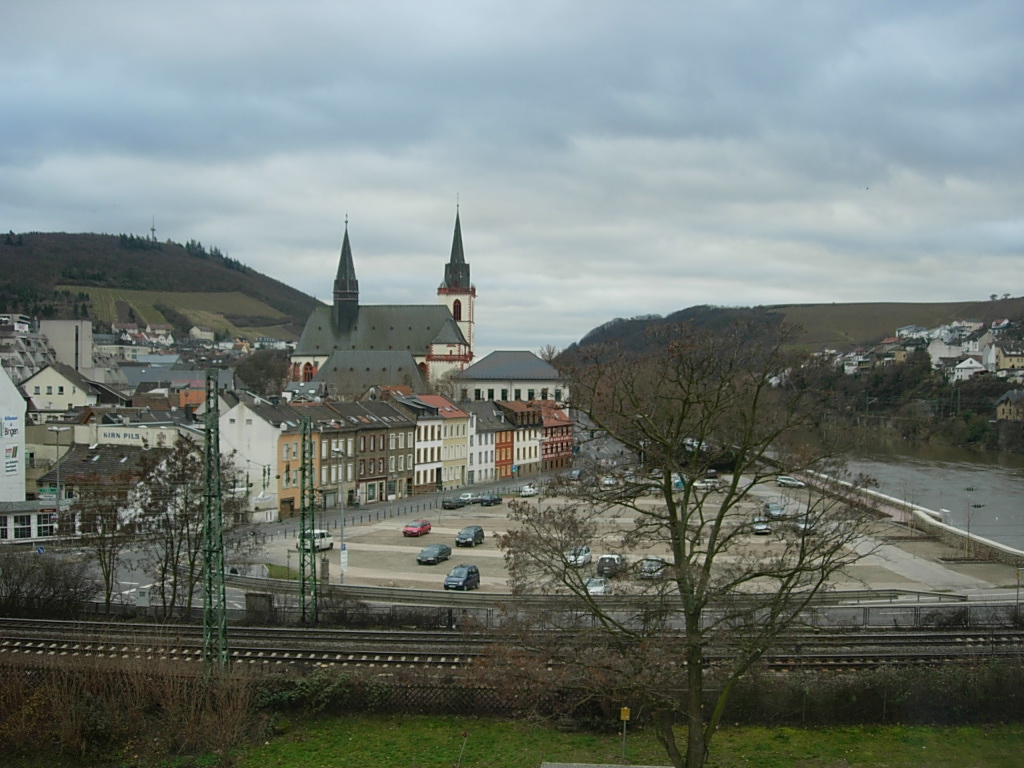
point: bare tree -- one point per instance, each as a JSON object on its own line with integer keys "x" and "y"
{"x": 103, "y": 506}
{"x": 548, "y": 353}
{"x": 702, "y": 401}
{"x": 171, "y": 500}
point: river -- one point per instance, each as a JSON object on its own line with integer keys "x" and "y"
{"x": 979, "y": 492}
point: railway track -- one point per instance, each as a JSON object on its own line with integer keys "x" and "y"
{"x": 273, "y": 648}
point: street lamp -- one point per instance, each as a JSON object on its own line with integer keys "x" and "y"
{"x": 57, "y": 431}
{"x": 343, "y": 552}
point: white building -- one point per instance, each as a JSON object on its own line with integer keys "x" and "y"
{"x": 12, "y": 441}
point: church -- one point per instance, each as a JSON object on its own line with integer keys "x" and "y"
{"x": 349, "y": 347}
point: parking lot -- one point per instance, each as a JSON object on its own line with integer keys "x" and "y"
{"x": 379, "y": 554}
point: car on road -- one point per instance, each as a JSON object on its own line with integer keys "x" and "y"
{"x": 761, "y": 526}
{"x": 787, "y": 481}
{"x": 578, "y": 556}
{"x": 463, "y": 577}
{"x": 774, "y": 510}
{"x": 528, "y": 490}
{"x": 470, "y": 498}
{"x": 597, "y": 585}
{"x": 490, "y": 500}
{"x": 416, "y": 528}
{"x": 433, "y": 554}
{"x": 651, "y": 568}
{"x": 452, "y": 502}
{"x": 469, "y": 536}
{"x": 610, "y": 565}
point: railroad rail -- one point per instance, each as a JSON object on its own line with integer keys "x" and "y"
{"x": 29, "y": 641}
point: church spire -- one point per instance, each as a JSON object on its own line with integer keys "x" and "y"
{"x": 456, "y": 271}
{"x": 346, "y": 287}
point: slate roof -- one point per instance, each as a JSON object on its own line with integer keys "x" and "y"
{"x": 410, "y": 328}
{"x": 512, "y": 366}
{"x": 85, "y": 462}
{"x": 489, "y": 417}
{"x": 351, "y": 373}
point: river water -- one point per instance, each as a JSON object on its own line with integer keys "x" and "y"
{"x": 979, "y": 492}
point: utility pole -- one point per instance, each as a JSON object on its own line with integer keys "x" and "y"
{"x": 308, "y": 603}
{"x": 215, "y": 617}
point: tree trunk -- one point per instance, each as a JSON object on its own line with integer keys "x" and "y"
{"x": 696, "y": 746}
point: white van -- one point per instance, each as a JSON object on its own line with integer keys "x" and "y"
{"x": 321, "y": 540}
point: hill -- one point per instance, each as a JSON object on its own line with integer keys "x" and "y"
{"x": 106, "y": 278}
{"x": 821, "y": 326}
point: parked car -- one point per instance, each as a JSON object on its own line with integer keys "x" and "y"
{"x": 490, "y": 500}
{"x": 318, "y": 538}
{"x": 760, "y": 526}
{"x": 805, "y": 525}
{"x": 597, "y": 585}
{"x": 774, "y": 510}
{"x": 578, "y": 556}
{"x": 608, "y": 481}
{"x": 433, "y": 554}
{"x": 651, "y": 568}
{"x": 610, "y": 565}
{"x": 707, "y": 484}
{"x": 416, "y": 528}
{"x": 528, "y": 490}
{"x": 463, "y": 577}
{"x": 469, "y": 536}
{"x": 789, "y": 482}
{"x": 575, "y": 475}
{"x": 470, "y": 497}
{"x": 452, "y": 502}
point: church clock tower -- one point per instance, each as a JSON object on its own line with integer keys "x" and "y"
{"x": 457, "y": 292}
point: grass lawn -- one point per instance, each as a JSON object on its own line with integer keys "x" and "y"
{"x": 437, "y": 742}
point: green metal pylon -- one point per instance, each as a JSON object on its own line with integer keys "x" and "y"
{"x": 307, "y": 522}
{"x": 215, "y": 617}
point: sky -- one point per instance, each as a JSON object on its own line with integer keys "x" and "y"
{"x": 607, "y": 159}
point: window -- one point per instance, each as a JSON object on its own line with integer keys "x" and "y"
{"x": 401, "y": 441}
{"x": 464, "y": 393}
{"x": 519, "y": 395}
{"x": 284, "y": 452}
{"x": 477, "y": 394}
{"x": 391, "y": 464}
{"x": 23, "y": 526}
{"x": 529, "y": 394}
{"x": 35, "y": 390}
{"x": 362, "y": 445}
{"x": 49, "y": 389}
{"x": 504, "y": 394}
{"x": 46, "y": 525}
{"x": 391, "y": 441}
{"x": 457, "y": 310}
{"x": 490, "y": 394}
{"x": 362, "y": 468}
{"x": 558, "y": 395}
{"x": 60, "y": 390}
{"x": 544, "y": 393}
{"x": 409, "y": 461}
{"x": 401, "y": 462}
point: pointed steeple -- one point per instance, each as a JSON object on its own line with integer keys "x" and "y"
{"x": 346, "y": 287}
{"x": 456, "y": 271}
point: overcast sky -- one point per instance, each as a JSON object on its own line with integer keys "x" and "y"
{"x": 610, "y": 159}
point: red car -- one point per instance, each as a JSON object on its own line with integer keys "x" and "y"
{"x": 416, "y": 528}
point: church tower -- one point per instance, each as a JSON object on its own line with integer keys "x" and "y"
{"x": 457, "y": 292}
{"x": 346, "y": 288}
